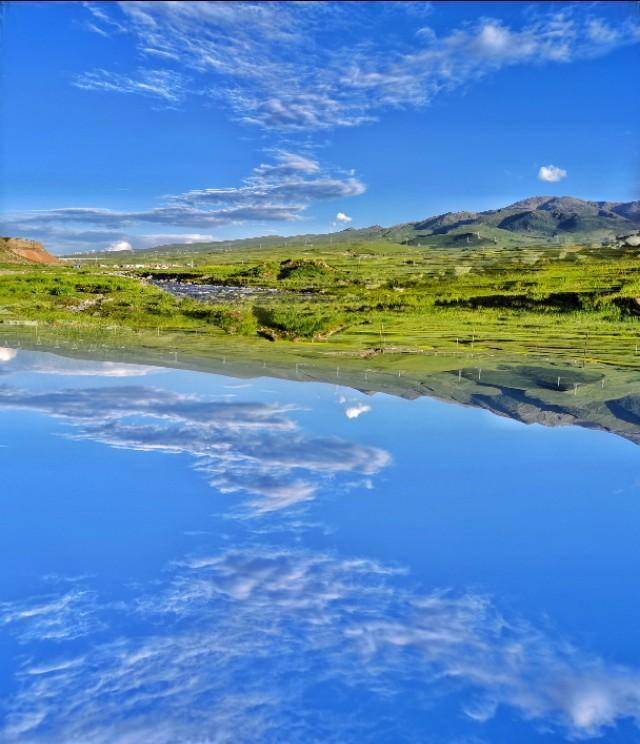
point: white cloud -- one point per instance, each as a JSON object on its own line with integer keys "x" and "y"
{"x": 551, "y": 173}
{"x": 168, "y": 86}
{"x": 277, "y": 191}
{"x": 601, "y": 32}
{"x": 54, "y": 617}
{"x": 279, "y": 66}
{"x": 120, "y": 245}
{"x": 288, "y": 183}
{"x": 288, "y": 164}
{"x": 353, "y": 412}
{"x": 343, "y": 218}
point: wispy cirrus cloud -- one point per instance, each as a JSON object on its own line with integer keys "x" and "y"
{"x": 167, "y": 85}
{"x": 280, "y": 190}
{"x": 314, "y": 66}
{"x": 54, "y": 617}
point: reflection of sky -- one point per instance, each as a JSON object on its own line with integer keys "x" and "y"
{"x": 27, "y": 361}
{"x": 240, "y": 446}
{"x": 418, "y": 573}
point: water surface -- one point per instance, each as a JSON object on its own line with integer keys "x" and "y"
{"x": 191, "y": 557}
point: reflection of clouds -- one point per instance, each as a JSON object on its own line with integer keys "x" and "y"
{"x": 60, "y": 617}
{"x": 29, "y": 361}
{"x": 354, "y": 408}
{"x": 99, "y": 369}
{"x": 240, "y": 640}
{"x": 6, "y": 355}
{"x": 255, "y": 448}
{"x": 353, "y": 412}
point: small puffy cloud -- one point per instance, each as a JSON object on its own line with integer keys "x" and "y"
{"x": 494, "y": 39}
{"x": 354, "y": 411}
{"x": 120, "y": 245}
{"x": 551, "y": 173}
{"x": 343, "y": 218}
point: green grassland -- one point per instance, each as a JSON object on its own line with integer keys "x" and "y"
{"x": 372, "y": 301}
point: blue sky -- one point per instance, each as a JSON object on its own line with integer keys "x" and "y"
{"x": 143, "y": 123}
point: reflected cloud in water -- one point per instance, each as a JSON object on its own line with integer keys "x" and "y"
{"x": 239, "y": 642}
{"x": 17, "y": 360}
{"x": 245, "y": 447}
{"x": 353, "y": 408}
{"x": 7, "y": 355}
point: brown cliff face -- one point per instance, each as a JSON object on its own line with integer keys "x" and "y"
{"x": 21, "y": 250}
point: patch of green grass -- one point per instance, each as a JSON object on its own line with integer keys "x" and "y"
{"x": 360, "y": 301}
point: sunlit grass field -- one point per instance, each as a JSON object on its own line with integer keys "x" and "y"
{"x": 377, "y": 302}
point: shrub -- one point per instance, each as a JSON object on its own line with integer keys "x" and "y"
{"x": 298, "y": 323}
{"x": 303, "y": 268}
{"x": 231, "y": 320}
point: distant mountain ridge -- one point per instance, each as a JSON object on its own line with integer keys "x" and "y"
{"x": 535, "y": 220}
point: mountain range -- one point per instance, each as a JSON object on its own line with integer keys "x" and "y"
{"x": 536, "y": 220}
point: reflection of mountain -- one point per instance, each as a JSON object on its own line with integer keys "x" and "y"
{"x": 550, "y": 396}
{"x": 266, "y": 644}
{"x": 602, "y": 397}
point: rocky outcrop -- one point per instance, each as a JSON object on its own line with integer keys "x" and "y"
{"x": 22, "y": 250}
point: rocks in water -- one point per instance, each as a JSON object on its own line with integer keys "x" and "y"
{"x": 211, "y": 292}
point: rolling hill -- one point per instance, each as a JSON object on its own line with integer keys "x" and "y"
{"x": 534, "y": 220}
{"x": 538, "y": 220}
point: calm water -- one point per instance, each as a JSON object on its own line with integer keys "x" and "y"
{"x": 194, "y": 558}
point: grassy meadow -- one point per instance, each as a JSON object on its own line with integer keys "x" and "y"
{"x": 373, "y": 301}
